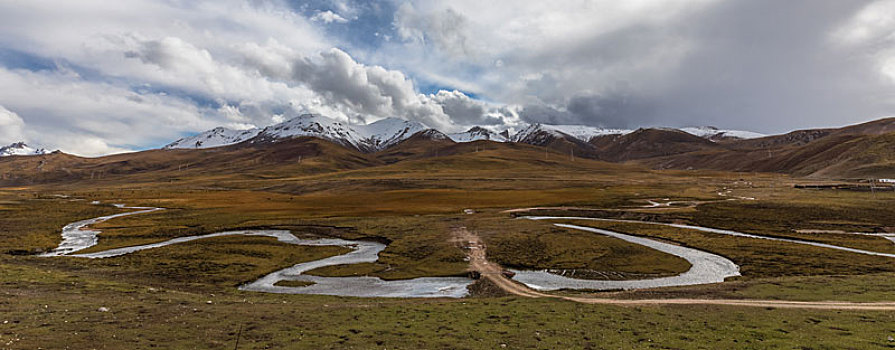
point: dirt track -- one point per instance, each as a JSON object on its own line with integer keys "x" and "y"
{"x": 476, "y": 251}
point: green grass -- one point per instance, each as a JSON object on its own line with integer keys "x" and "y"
{"x": 159, "y": 298}
{"x": 29, "y": 225}
{"x": 854, "y": 288}
{"x": 212, "y": 264}
{"x": 527, "y": 244}
{"x": 783, "y": 218}
{"x": 863, "y": 288}
{"x": 362, "y": 269}
{"x": 294, "y": 283}
{"x": 759, "y": 257}
{"x": 61, "y": 311}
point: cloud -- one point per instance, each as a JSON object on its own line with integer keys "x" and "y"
{"x": 113, "y": 76}
{"x": 123, "y": 82}
{"x": 460, "y": 107}
{"x": 228, "y": 76}
{"x": 446, "y": 29}
{"x": 328, "y": 17}
{"x": 761, "y": 65}
{"x": 564, "y": 62}
{"x": 559, "y": 39}
{"x": 11, "y": 127}
{"x": 262, "y": 79}
{"x": 466, "y": 111}
{"x": 136, "y": 75}
{"x": 608, "y": 111}
{"x": 871, "y": 30}
{"x": 353, "y": 90}
{"x": 872, "y": 23}
{"x": 63, "y": 111}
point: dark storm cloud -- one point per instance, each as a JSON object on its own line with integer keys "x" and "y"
{"x": 608, "y": 111}
{"x": 771, "y": 66}
{"x": 767, "y": 66}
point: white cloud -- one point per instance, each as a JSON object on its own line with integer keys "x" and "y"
{"x": 871, "y": 30}
{"x": 643, "y": 62}
{"x": 571, "y": 43}
{"x": 173, "y": 62}
{"x": 444, "y": 28}
{"x": 346, "y": 89}
{"x": 139, "y": 73}
{"x": 328, "y": 17}
{"x": 169, "y": 52}
{"x": 466, "y": 111}
{"x": 87, "y": 145}
{"x": 11, "y": 127}
{"x": 79, "y": 31}
{"x": 247, "y": 63}
{"x": 873, "y": 23}
{"x": 65, "y": 112}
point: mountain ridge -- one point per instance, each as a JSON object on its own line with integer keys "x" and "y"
{"x": 368, "y": 137}
{"x": 314, "y": 144}
{"x": 388, "y": 132}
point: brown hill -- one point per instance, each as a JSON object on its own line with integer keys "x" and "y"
{"x": 649, "y": 143}
{"x": 277, "y": 165}
{"x": 426, "y": 143}
{"x": 836, "y": 155}
{"x": 302, "y": 155}
{"x": 861, "y": 151}
{"x": 802, "y": 137}
{"x": 555, "y": 142}
{"x": 876, "y": 127}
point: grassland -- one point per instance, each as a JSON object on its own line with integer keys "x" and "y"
{"x": 160, "y": 297}
{"x": 56, "y": 310}
{"x": 32, "y": 223}
{"x": 758, "y": 257}
{"x": 525, "y": 244}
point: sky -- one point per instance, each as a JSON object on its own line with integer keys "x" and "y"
{"x": 94, "y": 77}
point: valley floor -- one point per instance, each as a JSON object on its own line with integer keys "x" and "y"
{"x": 186, "y": 296}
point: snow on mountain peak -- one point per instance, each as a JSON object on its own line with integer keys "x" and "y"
{"x": 387, "y": 132}
{"x": 477, "y": 133}
{"x": 216, "y": 137}
{"x": 580, "y": 132}
{"x": 370, "y": 137}
{"x": 313, "y": 125}
{"x": 713, "y": 133}
{"x": 20, "y": 149}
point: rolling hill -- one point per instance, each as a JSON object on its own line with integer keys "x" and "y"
{"x": 312, "y": 144}
{"x": 860, "y": 151}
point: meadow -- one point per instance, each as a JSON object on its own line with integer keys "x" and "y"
{"x": 185, "y": 296}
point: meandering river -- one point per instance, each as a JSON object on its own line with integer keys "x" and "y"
{"x": 705, "y": 267}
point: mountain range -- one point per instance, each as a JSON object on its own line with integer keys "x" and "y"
{"x": 313, "y": 144}
{"x": 385, "y": 133}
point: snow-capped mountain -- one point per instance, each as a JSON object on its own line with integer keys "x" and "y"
{"x": 315, "y": 126}
{"x": 713, "y": 133}
{"x": 581, "y": 132}
{"x": 388, "y": 132}
{"x": 369, "y": 137}
{"x": 478, "y": 133}
{"x": 20, "y": 149}
{"x": 216, "y": 137}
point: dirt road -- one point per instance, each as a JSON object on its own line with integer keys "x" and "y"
{"x": 478, "y": 261}
{"x": 475, "y": 250}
